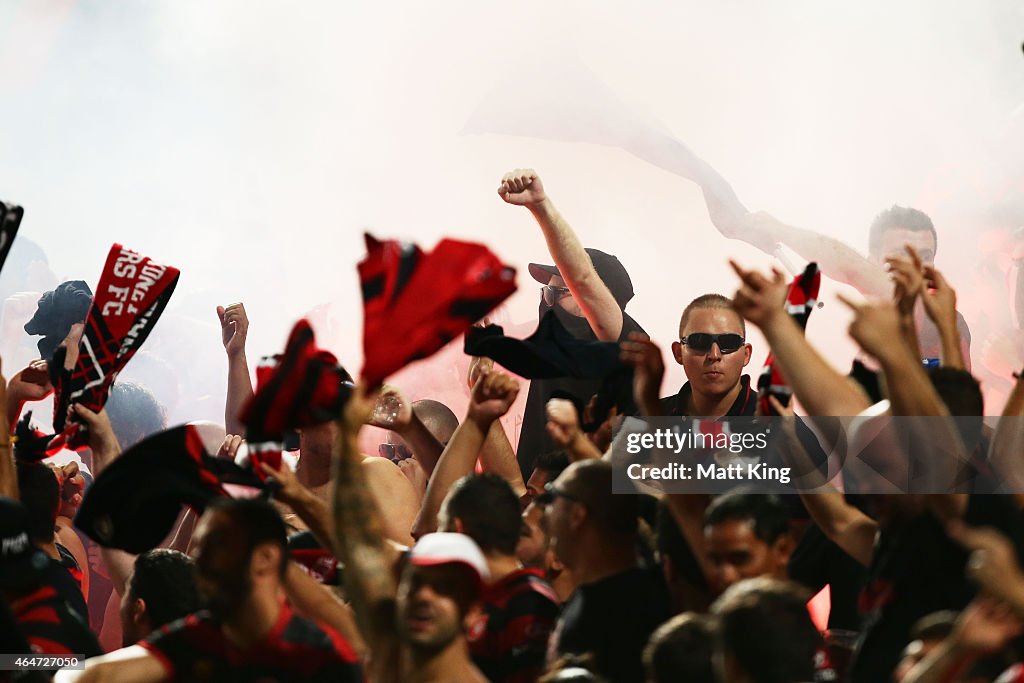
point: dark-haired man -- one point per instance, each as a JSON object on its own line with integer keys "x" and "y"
{"x": 617, "y": 604}
{"x": 765, "y": 634}
{"x": 161, "y": 589}
{"x": 747, "y": 535}
{"x": 520, "y": 608}
{"x": 248, "y": 632}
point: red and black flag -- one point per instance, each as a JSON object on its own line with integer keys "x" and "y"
{"x": 800, "y": 301}
{"x": 415, "y": 302}
{"x": 132, "y": 293}
{"x": 301, "y": 387}
{"x": 135, "y": 501}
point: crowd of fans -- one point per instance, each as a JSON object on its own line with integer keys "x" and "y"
{"x": 450, "y": 555}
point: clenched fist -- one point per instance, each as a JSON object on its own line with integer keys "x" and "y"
{"x": 522, "y": 187}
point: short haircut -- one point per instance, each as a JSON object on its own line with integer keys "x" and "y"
{"x": 614, "y": 514}
{"x": 134, "y": 413}
{"x": 489, "y": 511}
{"x": 961, "y": 393}
{"x": 165, "y": 580}
{"x": 40, "y": 493}
{"x": 768, "y": 515}
{"x": 552, "y": 463}
{"x": 258, "y": 522}
{"x": 763, "y": 624}
{"x": 437, "y": 418}
{"x": 681, "y": 650}
{"x": 898, "y": 217}
{"x": 719, "y": 301}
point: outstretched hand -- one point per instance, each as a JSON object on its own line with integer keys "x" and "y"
{"x": 234, "y": 326}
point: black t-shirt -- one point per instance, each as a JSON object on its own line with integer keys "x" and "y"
{"x": 196, "y": 649}
{"x": 612, "y": 620}
{"x": 917, "y": 569}
{"x": 534, "y": 439}
{"x": 66, "y": 578}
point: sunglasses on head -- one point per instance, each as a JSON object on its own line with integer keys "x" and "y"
{"x": 701, "y": 342}
{"x": 552, "y": 294}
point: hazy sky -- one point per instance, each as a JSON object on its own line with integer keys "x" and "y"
{"x": 251, "y": 143}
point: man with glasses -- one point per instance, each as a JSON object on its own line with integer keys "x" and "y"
{"x": 586, "y": 288}
{"x": 713, "y": 351}
{"x": 617, "y": 604}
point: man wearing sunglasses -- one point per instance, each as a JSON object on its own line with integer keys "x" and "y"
{"x": 586, "y": 288}
{"x": 713, "y": 351}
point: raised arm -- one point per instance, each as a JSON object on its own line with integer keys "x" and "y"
{"x": 359, "y": 533}
{"x": 310, "y": 508}
{"x": 493, "y": 394}
{"x": 234, "y": 326}
{"x": 498, "y": 457}
{"x": 648, "y": 372}
{"x": 564, "y": 428}
{"x": 940, "y": 305}
{"x": 821, "y": 390}
{"x": 523, "y": 187}
{"x": 407, "y": 424}
{"x": 1006, "y": 452}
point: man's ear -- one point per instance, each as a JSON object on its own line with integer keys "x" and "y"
{"x": 782, "y": 549}
{"x": 747, "y": 351}
{"x": 459, "y": 527}
{"x": 577, "y": 516}
{"x": 677, "y": 352}
{"x": 138, "y": 612}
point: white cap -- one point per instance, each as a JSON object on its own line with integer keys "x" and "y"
{"x": 449, "y": 548}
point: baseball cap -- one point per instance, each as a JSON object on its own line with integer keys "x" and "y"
{"x": 21, "y": 563}
{"x": 608, "y": 267}
{"x": 444, "y": 547}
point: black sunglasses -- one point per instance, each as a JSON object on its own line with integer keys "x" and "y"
{"x": 552, "y": 294}
{"x": 701, "y": 342}
{"x": 393, "y": 451}
{"x": 551, "y": 492}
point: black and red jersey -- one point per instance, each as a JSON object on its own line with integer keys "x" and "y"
{"x": 51, "y": 627}
{"x": 196, "y": 649}
{"x": 509, "y": 643}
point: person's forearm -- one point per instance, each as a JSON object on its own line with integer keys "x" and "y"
{"x": 12, "y": 413}
{"x": 497, "y": 457}
{"x": 317, "y": 602}
{"x": 423, "y": 445}
{"x": 1006, "y": 451}
{"x": 908, "y": 328}
{"x": 119, "y": 566}
{"x": 239, "y": 392}
{"x": 849, "y": 528}
{"x": 312, "y": 510}
{"x": 837, "y": 260}
{"x": 912, "y": 395}
{"x": 359, "y": 536}
{"x": 952, "y": 351}
{"x": 582, "y": 448}
{"x": 457, "y": 461}
{"x": 8, "y": 471}
{"x": 595, "y": 299}
{"x": 821, "y": 390}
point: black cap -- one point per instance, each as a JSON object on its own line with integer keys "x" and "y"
{"x": 21, "y": 563}
{"x": 608, "y": 267}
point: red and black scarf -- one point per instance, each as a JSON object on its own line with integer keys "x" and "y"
{"x": 302, "y": 387}
{"x": 801, "y": 300}
{"x": 415, "y": 302}
{"x": 132, "y": 293}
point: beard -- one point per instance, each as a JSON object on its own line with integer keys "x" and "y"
{"x": 223, "y": 598}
